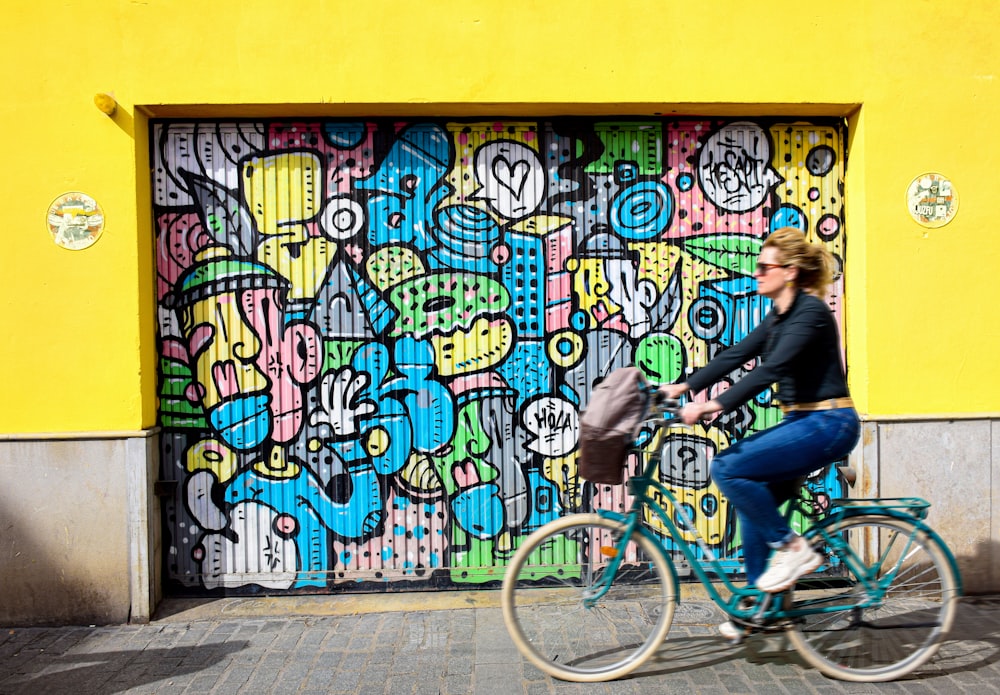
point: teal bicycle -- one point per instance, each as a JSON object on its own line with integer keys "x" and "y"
{"x": 590, "y": 597}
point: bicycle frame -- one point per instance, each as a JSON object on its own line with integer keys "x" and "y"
{"x": 647, "y": 490}
{"x": 640, "y": 487}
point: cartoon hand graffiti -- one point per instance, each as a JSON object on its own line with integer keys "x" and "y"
{"x": 340, "y": 408}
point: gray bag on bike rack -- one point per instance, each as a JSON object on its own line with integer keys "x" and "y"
{"x": 609, "y": 424}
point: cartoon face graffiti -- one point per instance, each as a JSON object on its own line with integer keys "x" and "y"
{"x": 606, "y": 286}
{"x": 231, "y": 318}
{"x": 280, "y": 191}
{"x": 290, "y": 355}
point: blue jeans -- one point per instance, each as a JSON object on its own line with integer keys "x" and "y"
{"x": 761, "y": 472}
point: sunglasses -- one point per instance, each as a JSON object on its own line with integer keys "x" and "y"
{"x": 765, "y": 268}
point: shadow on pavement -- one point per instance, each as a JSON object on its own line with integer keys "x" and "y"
{"x": 108, "y": 672}
{"x": 974, "y": 642}
{"x": 683, "y": 653}
{"x": 972, "y": 645}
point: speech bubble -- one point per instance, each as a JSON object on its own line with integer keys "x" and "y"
{"x": 734, "y": 167}
{"x": 511, "y": 177}
{"x": 554, "y": 425}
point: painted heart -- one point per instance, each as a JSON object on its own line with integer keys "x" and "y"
{"x": 511, "y": 176}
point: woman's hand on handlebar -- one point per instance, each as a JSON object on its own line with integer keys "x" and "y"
{"x": 673, "y": 391}
{"x": 696, "y": 412}
{"x": 692, "y": 412}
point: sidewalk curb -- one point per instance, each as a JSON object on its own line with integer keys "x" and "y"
{"x": 179, "y": 610}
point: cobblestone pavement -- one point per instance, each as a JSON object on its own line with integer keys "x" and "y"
{"x": 433, "y": 650}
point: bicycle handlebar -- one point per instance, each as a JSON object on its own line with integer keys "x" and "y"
{"x": 658, "y": 405}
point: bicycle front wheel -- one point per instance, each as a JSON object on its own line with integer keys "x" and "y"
{"x": 889, "y": 614}
{"x": 547, "y": 592}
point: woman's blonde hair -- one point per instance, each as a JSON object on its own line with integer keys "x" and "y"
{"x": 814, "y": 262}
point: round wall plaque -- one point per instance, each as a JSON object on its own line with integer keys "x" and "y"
{"x": 75, "y": 221}
{"x": 932, "y": 200}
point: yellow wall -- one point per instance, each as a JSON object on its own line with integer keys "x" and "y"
{"x": 917, "y": 80}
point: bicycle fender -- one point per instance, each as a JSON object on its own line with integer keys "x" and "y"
{"x": 844, "y": 513}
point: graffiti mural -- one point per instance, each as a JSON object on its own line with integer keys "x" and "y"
{"x": 375, "y": 338}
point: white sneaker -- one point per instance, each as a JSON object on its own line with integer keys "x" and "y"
{"x": 786, "y": 566}
{"x": 731, "y": 631}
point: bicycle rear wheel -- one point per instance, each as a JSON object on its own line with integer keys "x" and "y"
{"x": 561, "y": 565}
{"x": 866, "y": 634}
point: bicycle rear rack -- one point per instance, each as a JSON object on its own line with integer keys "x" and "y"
{"x": 914, "y": 506}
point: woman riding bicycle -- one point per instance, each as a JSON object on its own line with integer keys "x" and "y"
{"x": 799, "y": 350}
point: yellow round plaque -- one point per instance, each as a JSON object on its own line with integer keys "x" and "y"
{"x": 932, "y": 200}
{"x": 75, "y": 221}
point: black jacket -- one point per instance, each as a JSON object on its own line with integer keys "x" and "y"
{"x": 799, "y": 351}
